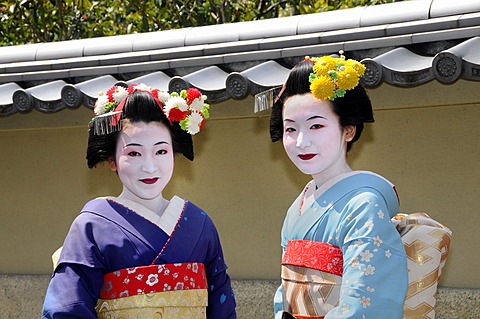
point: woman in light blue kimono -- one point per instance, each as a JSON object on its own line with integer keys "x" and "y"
{"x": 342, "y": 256}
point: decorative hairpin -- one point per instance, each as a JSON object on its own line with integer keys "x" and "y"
{"x": 332, "y": 77}
{"x": 188, "y": 108}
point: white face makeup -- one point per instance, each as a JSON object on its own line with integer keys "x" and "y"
{"x": 313, "y": 138}
{"x": 144, "y": 162}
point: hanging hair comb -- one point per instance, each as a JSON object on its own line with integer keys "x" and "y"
{"x": 265, "y": 100}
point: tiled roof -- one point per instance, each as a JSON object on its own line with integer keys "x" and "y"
{"x": 404, "y": 44}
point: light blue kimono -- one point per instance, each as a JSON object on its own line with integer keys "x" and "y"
{"x": 353, "y": 212}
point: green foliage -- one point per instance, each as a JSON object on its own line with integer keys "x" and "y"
{"x": 34, "y": 21}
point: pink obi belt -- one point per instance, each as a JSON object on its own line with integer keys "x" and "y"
{"x": 315, "y": 255}
{"x": 152, "y": 279}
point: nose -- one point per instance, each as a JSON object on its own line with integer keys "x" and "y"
{"x": 303, "y": 140}
{"x": 149, "y": 165}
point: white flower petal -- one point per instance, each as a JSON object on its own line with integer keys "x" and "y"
{"x": 119, "y": 94}
{"x": 194, "y": 121}
{"x": 197, "y": 104}
{"x": 176, "y": 101}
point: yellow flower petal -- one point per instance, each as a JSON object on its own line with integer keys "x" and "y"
{"x": 359, "y": 67}
{"x": 323, "y": 65}
{"x": 347, "y": 79}
{"x": 322, "y": 87}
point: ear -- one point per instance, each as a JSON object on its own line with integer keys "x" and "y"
{"x": 350, "y": 132}
{"x": 112, "y": 164}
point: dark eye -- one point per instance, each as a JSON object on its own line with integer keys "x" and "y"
{"x": 316, "y": 126}
{"x": 162, "y": 152}
{"x": 290, "y": 129}
{"x": 133, "y": 153}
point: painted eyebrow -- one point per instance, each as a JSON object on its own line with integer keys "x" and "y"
{"x": 136, "y": 144}
{"x": 316, "y": 117}
{"x": 310, "y": 118}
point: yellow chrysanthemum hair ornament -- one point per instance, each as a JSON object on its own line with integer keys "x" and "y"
{"x": 332, "y": 77}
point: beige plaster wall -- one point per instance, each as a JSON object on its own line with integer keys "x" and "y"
{"x": 425, "y": 140}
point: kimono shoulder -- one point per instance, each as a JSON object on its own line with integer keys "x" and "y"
{"x": 364, "y": 182}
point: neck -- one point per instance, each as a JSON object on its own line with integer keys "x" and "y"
{"x": 156, "y": 205}
{"x": 322, "y": 177}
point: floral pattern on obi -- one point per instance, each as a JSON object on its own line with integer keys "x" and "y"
{"x": 315, "y": 255}
{"x": 152, "y": 279}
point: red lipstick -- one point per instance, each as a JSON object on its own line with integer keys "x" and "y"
{"x": 306, "y": 157}
{"x": 149, "y": 180}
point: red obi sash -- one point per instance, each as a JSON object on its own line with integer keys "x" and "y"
{"x": 311, "y": 254}
{"x": 154, "y": 278}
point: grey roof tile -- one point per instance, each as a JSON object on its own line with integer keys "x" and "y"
{"x": 60, "y": 50}
{"x": 173, "y": 53}
{"x": 231, "y": 47}
{"x": 47, "y": 92}
{"x": 378, "y": 43}
{"x": 234, "y": 60}
{"x": 196, "y": 61}
{"x": 267, "y": 74}
{"x": 108, "y": 45}
{"x": 448, "y": 7}
{"x": 395, "y": 12}
{"x": 249, "y": 56}
{"x": 268, "y": 28}
{"x": 44, "y": 75}
{"x": 34, "y": 66}
{"x": 313, "y": 50}
{"x": 422, "y": 26}
{"x": 86, "y": 92}
{"x": 212, "y": 34}
{"x": 330, "y": 20}
{"x": 290, "y": 41}
{"x": 19, "y": 53}
{"x": 160, "y": 39}
{"x": 144, "y": 66}
{"x": 469, "y": 20}
{"x": 354, "y": 34}
{"x": 158, "y": 80}
{"x": 11, "y": 77}
{"x": 208, "y": 79}
{"x": 6, "y": 92}
{"x": 92, "y": 71}
{"x": 443, "y": 35}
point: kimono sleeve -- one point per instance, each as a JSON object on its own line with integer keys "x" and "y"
{"x": 75, "y": 285}
{"x": 221, "y": 299}
{"x": 374, "y": 281}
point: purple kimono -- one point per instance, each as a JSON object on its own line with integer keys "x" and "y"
{"x": 108, "y": 236}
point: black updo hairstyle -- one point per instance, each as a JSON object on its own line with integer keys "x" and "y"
{"x": 139, "y": 107}
{"x": 353, "y": 109}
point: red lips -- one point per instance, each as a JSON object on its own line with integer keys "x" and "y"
{"x": 149, "y": 180}
{"x": 306, "y": 157}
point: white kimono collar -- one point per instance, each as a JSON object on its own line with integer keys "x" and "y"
{"x": 167, "y": 221}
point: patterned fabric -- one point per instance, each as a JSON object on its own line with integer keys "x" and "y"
{"x": 309, "y": 292}
{"x": 311, "y": 278}
{"x": 427, "y": 243}
{"x": 110, "y": 234}
{"x": 353, "y": 212}
{"x": 180, "y": 304}
{"x": 312, "y": 254}
{"x": 154, "y": 278}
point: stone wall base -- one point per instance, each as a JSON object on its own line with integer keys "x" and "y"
{"x": 21, "y": 296}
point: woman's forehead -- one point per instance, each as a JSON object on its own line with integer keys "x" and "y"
{"x": 306, "y": 106}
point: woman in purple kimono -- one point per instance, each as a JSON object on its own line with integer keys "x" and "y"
{"x": 139, "y": 255}
{"x": 342, "y": 256}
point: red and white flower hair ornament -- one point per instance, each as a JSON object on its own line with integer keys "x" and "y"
{"x": 188, "y": 107}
